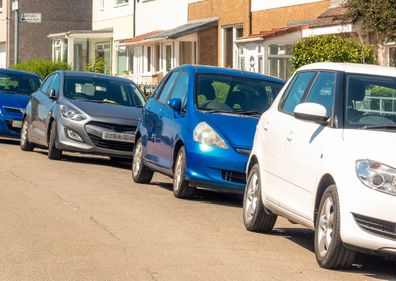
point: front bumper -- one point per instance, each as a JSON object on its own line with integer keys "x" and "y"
{"x": 368, "y": 218}
{"x": 6, "y": 126}
{"x": 215, "y": 168}
{"x": 91, "y": 134}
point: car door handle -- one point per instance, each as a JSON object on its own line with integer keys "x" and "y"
{"x": 266, "y": 126}
{"x": 290, "y": 136}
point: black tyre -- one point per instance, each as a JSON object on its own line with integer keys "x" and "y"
{"x": 255, "y": 217}
{"x": 24, "y": 141}
{"x": 181, "y": 188}
{"x": 53, "y": 152}
{"x": 329, "y": 250}
{"x": 140, "y": 173}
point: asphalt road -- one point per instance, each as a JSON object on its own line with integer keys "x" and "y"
{"x": 83, "y": 218}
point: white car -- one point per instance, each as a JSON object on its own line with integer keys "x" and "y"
{"x": 323, "y": 156}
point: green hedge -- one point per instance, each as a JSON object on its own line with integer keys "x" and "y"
{"x": 331, "y": 48}
{"x": 41, "y": 67}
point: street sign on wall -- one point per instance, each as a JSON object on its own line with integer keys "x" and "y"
{"x": 31, "y": 17}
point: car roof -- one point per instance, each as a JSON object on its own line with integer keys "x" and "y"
{"x": 352, "y": 68}
{"x": 229, "y": 71}
{"x": 69, "y": 73}
{"x": 19, "y": 72}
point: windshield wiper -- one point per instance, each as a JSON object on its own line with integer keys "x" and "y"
{"x": 388, "y": 126}
{"x": 217, "y": 111}
{"x": 247, "y": 112}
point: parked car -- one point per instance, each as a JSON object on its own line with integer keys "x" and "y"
{"x": 15, "y": 89}
{"x": 322, "y": 157}
{"x": 83, "y": 112}
{"x": 198, "y": 128}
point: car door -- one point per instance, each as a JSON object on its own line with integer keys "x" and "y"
{"x": 37, "y": 129}
{"x": 48, "y": 103}
{"x": 171, "y": 121}
{"x": 304, "y": 150}
{"x": 275, "y": 129}
{"x": 153, "y": 115}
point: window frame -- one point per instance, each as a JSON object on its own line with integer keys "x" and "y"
{"x": 157, "y": 98}
{"x": 50, "y": 77}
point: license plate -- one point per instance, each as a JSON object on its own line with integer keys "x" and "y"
{"x": 16, "y": 124}
{"x": 118, "y": 137}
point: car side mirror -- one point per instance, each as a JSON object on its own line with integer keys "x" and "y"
{"x": 52, "y": 94}
{"x": 313, "y": 112}
{"x": 175, "y": 104}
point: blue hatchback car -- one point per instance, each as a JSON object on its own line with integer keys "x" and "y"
{"x": 15, "y": 89}
{"x": 199, "y": 127}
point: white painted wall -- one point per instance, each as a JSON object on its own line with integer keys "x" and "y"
{"x": 258, "y": 5}
{"x": 160, "y": 14}
{"x": 3, "y": 34}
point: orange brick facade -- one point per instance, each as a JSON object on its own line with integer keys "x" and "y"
{"x": 237, "y": 12}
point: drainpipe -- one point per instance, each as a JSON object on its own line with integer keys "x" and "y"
{"x": 134, "y": 18}
{"x": 250, "y": 16}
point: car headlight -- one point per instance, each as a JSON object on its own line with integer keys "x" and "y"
{"x": 205, "y": 134}
{"x": 377, "y": 176}
{"x": 71, "y": 114}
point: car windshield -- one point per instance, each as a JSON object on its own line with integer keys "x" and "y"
{"x": 99, "y": 90}
{"x": 234, "y": 94}
{"x": 18, "y": 84}
{"x": 370, "y": 101}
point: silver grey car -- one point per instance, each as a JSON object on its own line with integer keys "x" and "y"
{"x": 83, "y": 112}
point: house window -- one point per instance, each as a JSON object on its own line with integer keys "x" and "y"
{"x": 57, "y": 50}
{"x": 101, "y": 5}
{"x": 279, "y": 61}
{"x": 121, "y": 61}
{"x": 260, "y": 59}
{"x": 392, "y": 57}
{"x": 230, "y": 49}
{"x": 130, "y": 60}
{"x": 103, "y": 51}
{"x": 168, "y": 57}
{"x": 157, "y": 57}
{"x": 121, "y": 2}
{"x": 148, "y": 59}
{"x": 241, "y": 62}
{"x": 1, "y": 6}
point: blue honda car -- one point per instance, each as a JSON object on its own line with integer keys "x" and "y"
{"x": 15, "y": 89}
{"x": 199, "y": 127}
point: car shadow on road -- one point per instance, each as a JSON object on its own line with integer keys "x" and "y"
{"x": 209, "y": 197}
{"x": 371, "y": 266}
{"x": 9, "y": 141}
{"x": 92, "y": 160}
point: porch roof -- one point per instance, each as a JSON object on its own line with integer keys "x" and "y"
{"x": 138, "y": 39}
{"x": 332, "y": 16}
{"x": 83, "y": 34}
{"x": 275, "y": 32}
{"x": 185, "y": 29}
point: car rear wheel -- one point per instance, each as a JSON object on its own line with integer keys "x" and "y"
{"x": 24, "y": 141}
{"x": 181, "y": 187}
{"x": 255, "y": 217}
{"x": 53, "y": 152}
{"x": 140, "y": 173}
{"x": 329, "y": 249}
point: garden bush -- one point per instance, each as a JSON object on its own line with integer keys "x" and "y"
{"x": 41, "y": 67}
{"x": 331, "y": 48}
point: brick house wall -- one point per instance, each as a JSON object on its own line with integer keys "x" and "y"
{"x": 56, "y": 16}
{"x": 207, "y": 46}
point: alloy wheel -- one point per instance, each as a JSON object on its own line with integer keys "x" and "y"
{"x": 24, "y": 132}
{"x": 251, "y": 200}
{"x": 178, "y": 172}
{"x": 137, "y": 159}
{"x": 326, "y": 227}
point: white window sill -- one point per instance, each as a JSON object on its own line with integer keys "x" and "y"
{"x": 121, "y": 5}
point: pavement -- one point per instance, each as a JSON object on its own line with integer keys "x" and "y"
{"x": 83, "y": 218}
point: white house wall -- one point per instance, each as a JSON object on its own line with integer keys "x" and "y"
{"x": 3, "y": 34}
{"x": 259, "y": 5}
{"x": 160, "y": 15}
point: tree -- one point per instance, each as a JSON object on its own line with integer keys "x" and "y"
{"x": 376, "y": 16}
{"x": 331, "y": 48}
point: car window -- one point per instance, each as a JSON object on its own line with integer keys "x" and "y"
{"x": 322, "y": 91}
{"x": 234, "y": 94}
{"x": 56, "y": 83}
{"x": 163, "y": 96}
{"x": 46, "y": 84}
{"x": 370, "y": 100}
{"x": 102, "y": 90}
{"x": 297, "y": 91}
{"x": 18, "y": 83}
{"x": 181, "y": 89}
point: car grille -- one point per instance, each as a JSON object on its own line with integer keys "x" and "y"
{"x": 108, "y": 144}
{"x": 232, "y": 176}
{"x": 114, "y": 127}
{"x": 12, "y": 109}
{"x": 376, "y": 226}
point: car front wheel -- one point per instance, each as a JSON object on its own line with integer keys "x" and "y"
{"x": 329, "y": 250}
{"x": 53, "y": 152}
{"x": 181, "y": 187}
{"x": 24, "y": 141}
{"x": 140, "y": 173}
{"x": 255, "y": 217}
